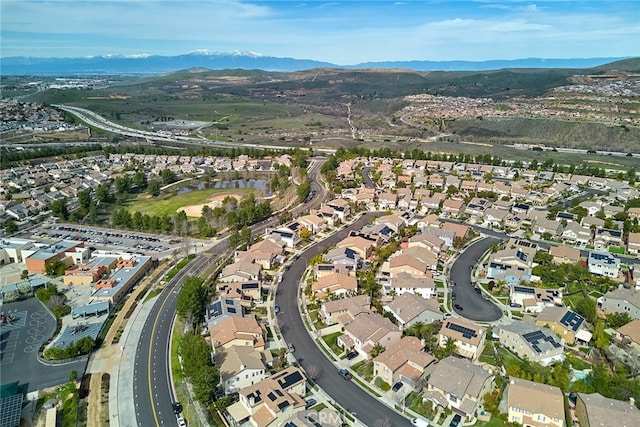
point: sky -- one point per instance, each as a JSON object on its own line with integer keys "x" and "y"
{"x": 339, "y": 32}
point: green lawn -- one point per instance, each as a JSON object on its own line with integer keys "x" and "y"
{"x": 168, "y": 205}
{"x": 364, "y": 369}
{"x": 616, "y": 250}
{"x": 508, "y": 358}
{"x": 578, "y": 363}
{"x": 332, "y": 342}
{"x": 317, "y": 323}
{"x": 493, "y": 422}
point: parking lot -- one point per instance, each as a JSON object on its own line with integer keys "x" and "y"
{"x": 144, "y": 242}
{"x": 21, "y": 337}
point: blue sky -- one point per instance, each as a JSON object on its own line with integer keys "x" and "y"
{"x": 341, "y": 32}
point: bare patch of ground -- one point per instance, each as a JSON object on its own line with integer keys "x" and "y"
{"x": 215, "y": 201}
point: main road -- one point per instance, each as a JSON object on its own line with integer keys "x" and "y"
{"x": 348, "y": 394}
{"x": 152, "y": 386}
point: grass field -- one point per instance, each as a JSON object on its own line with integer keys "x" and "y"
{"x": 168, "y": 205}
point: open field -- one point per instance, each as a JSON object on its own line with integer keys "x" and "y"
{"x": 170, "y": 204}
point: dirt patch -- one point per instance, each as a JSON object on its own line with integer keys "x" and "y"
{"x": 215, "y": 201}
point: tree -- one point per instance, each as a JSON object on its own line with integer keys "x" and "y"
{"x": 586, "y": 307}
{"x": 190, "y": 301}
{"x": 140, "y": 179}
{"x": 168, "y": 176}
{"x": 153, "y": 188}
{"x": 24, "y": 275}
{"x": 59, "y": 208}
{"x": 616, "y": 320}
{"x": 304, "y": 189}
{"x": 195, "y": 353}
{"x": 376, "y": 350}
{"x": 84, "y": 198}
{"x": 104, "y": 194}
{"x": 10, "y": 227}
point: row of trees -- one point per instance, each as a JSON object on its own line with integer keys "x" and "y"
{"x": 198, "y": 367}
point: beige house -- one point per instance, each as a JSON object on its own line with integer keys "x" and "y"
{"x": 564, "y": 254}
{"x": 409, "y": 309}
{"x": 534, "y": 404}
{"x": 468, "y": 337}
{"x": 335, "y": 284}
{"x": 366, "y": 330}
{"x": 633, "y": 243}
{"x": 270, "y": 401}
{"x": 331, "y": 311}
{"x": 565, "y": 323}
{"x": 236, "y": 330}
{"x": 246, "y": 292}
{"x": 403, "y": 361}
{"x": 458, "y": 384}
{"x": 240, "y": 367}
{"x": 629, "y": 334}
{"x": 363, "y": 247}
{"x": 241, "y": 271}
{"x": 595, "y": 410}
{"x": 313, "y": 223}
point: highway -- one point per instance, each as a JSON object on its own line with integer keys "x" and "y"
{"x": 348, "y": 394}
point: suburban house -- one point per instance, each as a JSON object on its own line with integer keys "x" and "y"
{"x": 264, "y": 252}
{"x": 633, "y": 243}
{"x": 271, "y": 400}
{"x": 564, "y": 254}
{"x": 468, "y": 337}
{"x": 595, "y": 410}
{"x": 241, "y": 271}
{"x": 535, "y": 299}
{"x": 284, "y": 234}
{"x": 313, "y": 223}
{"x": 629, "y": 334}
{"x": 605, "y": 237}
{"x": 565, "y": 323}
{"x": 367, "y": 330}
{"x": 343, "y": 256}
{"x": 246, "y": 292}
{"x": 240, "y": 367}
{"x": 531, "y": 342}
{"x": 403, "y": 283}
{"x": 335, "y": 284}
{"x": 330, "y": 311}
{"x": 363, "y": 247}
{"x": 322, "y": 270}
{"x": 621, "y": 300}
{"x": 236, "y": 330}
{"x": 409, "y": 309}
{"x": 576, "y": 234}
{"x": 220, "y": 309}
{"x": 603, "y": 264}
{"x": 458, "y": 384}
{"x": 511, "y": 265}
{"x": 427, "y": 240}
{"x": 403, "y": 361}
{"x": 341, "y": 208}
{"x": 544, "y": 225}
{"x": 534, "y": 404}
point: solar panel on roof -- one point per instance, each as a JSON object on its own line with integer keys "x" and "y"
{"x": 290, "y": 379}
{"x": 466, "y": 332}
{"x": 10, "y": 410}
{"x": 571, "y": 320}
{"x": 231, "y": 310}
{"x": 271, "y": 396}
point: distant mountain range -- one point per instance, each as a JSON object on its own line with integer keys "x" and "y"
{"x": 156, "y": 64}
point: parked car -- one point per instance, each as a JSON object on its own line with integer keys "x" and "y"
{"x": 448, "y": 316}
{"x": 352, "y": 355}
{"x": 397, "y": 386}
{"x": 457, "y": 307}
{"x": 345, "y": 374}
{"x": 478, "y": 290}
{"x": 455, "y": 421}
{"x": 309, "y": 403}
{"x": 181, "y": 421}
{"x": 453, "y": 296}
{"x": 177, "y": 407}
{"x": 419, "y": 422}
{"x": 292, "y": 349}
{"x": 515, "y": 305}
{"x": 276, "y": 309}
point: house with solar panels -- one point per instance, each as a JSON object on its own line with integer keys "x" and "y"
{"x": 511, "y": 265}
{"x": 603, "y": 264}
{"x": 534, "y": 300}
{"x": 468, "y": 337}
{"x": 565, "y": 323}
{"x": 270, "y": 401}
{"x": 532, "y": 342}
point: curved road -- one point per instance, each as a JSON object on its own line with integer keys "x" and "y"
{"x": 366, "y": 408}
{"x": 474, "y": 307}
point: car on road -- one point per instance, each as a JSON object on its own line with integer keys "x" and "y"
{"x": 309, "y": 403}
{"x": 344, "y": 374}
{"x": 455, "y": 421}
{"x": 485, "y": 296}
{"x": 478, "y": 290}
{"x": 457, "y": 307}
{"x": 276, "y": 309}
{"x": 177, "y": 407}
{"x": 453, "y": 296}
{"x": 397, "y": 386}
{"x": 292, "y": 349}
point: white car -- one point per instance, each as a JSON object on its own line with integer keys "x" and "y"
{"x": 181, "y": 421}
{"x": 419, "y": 422}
